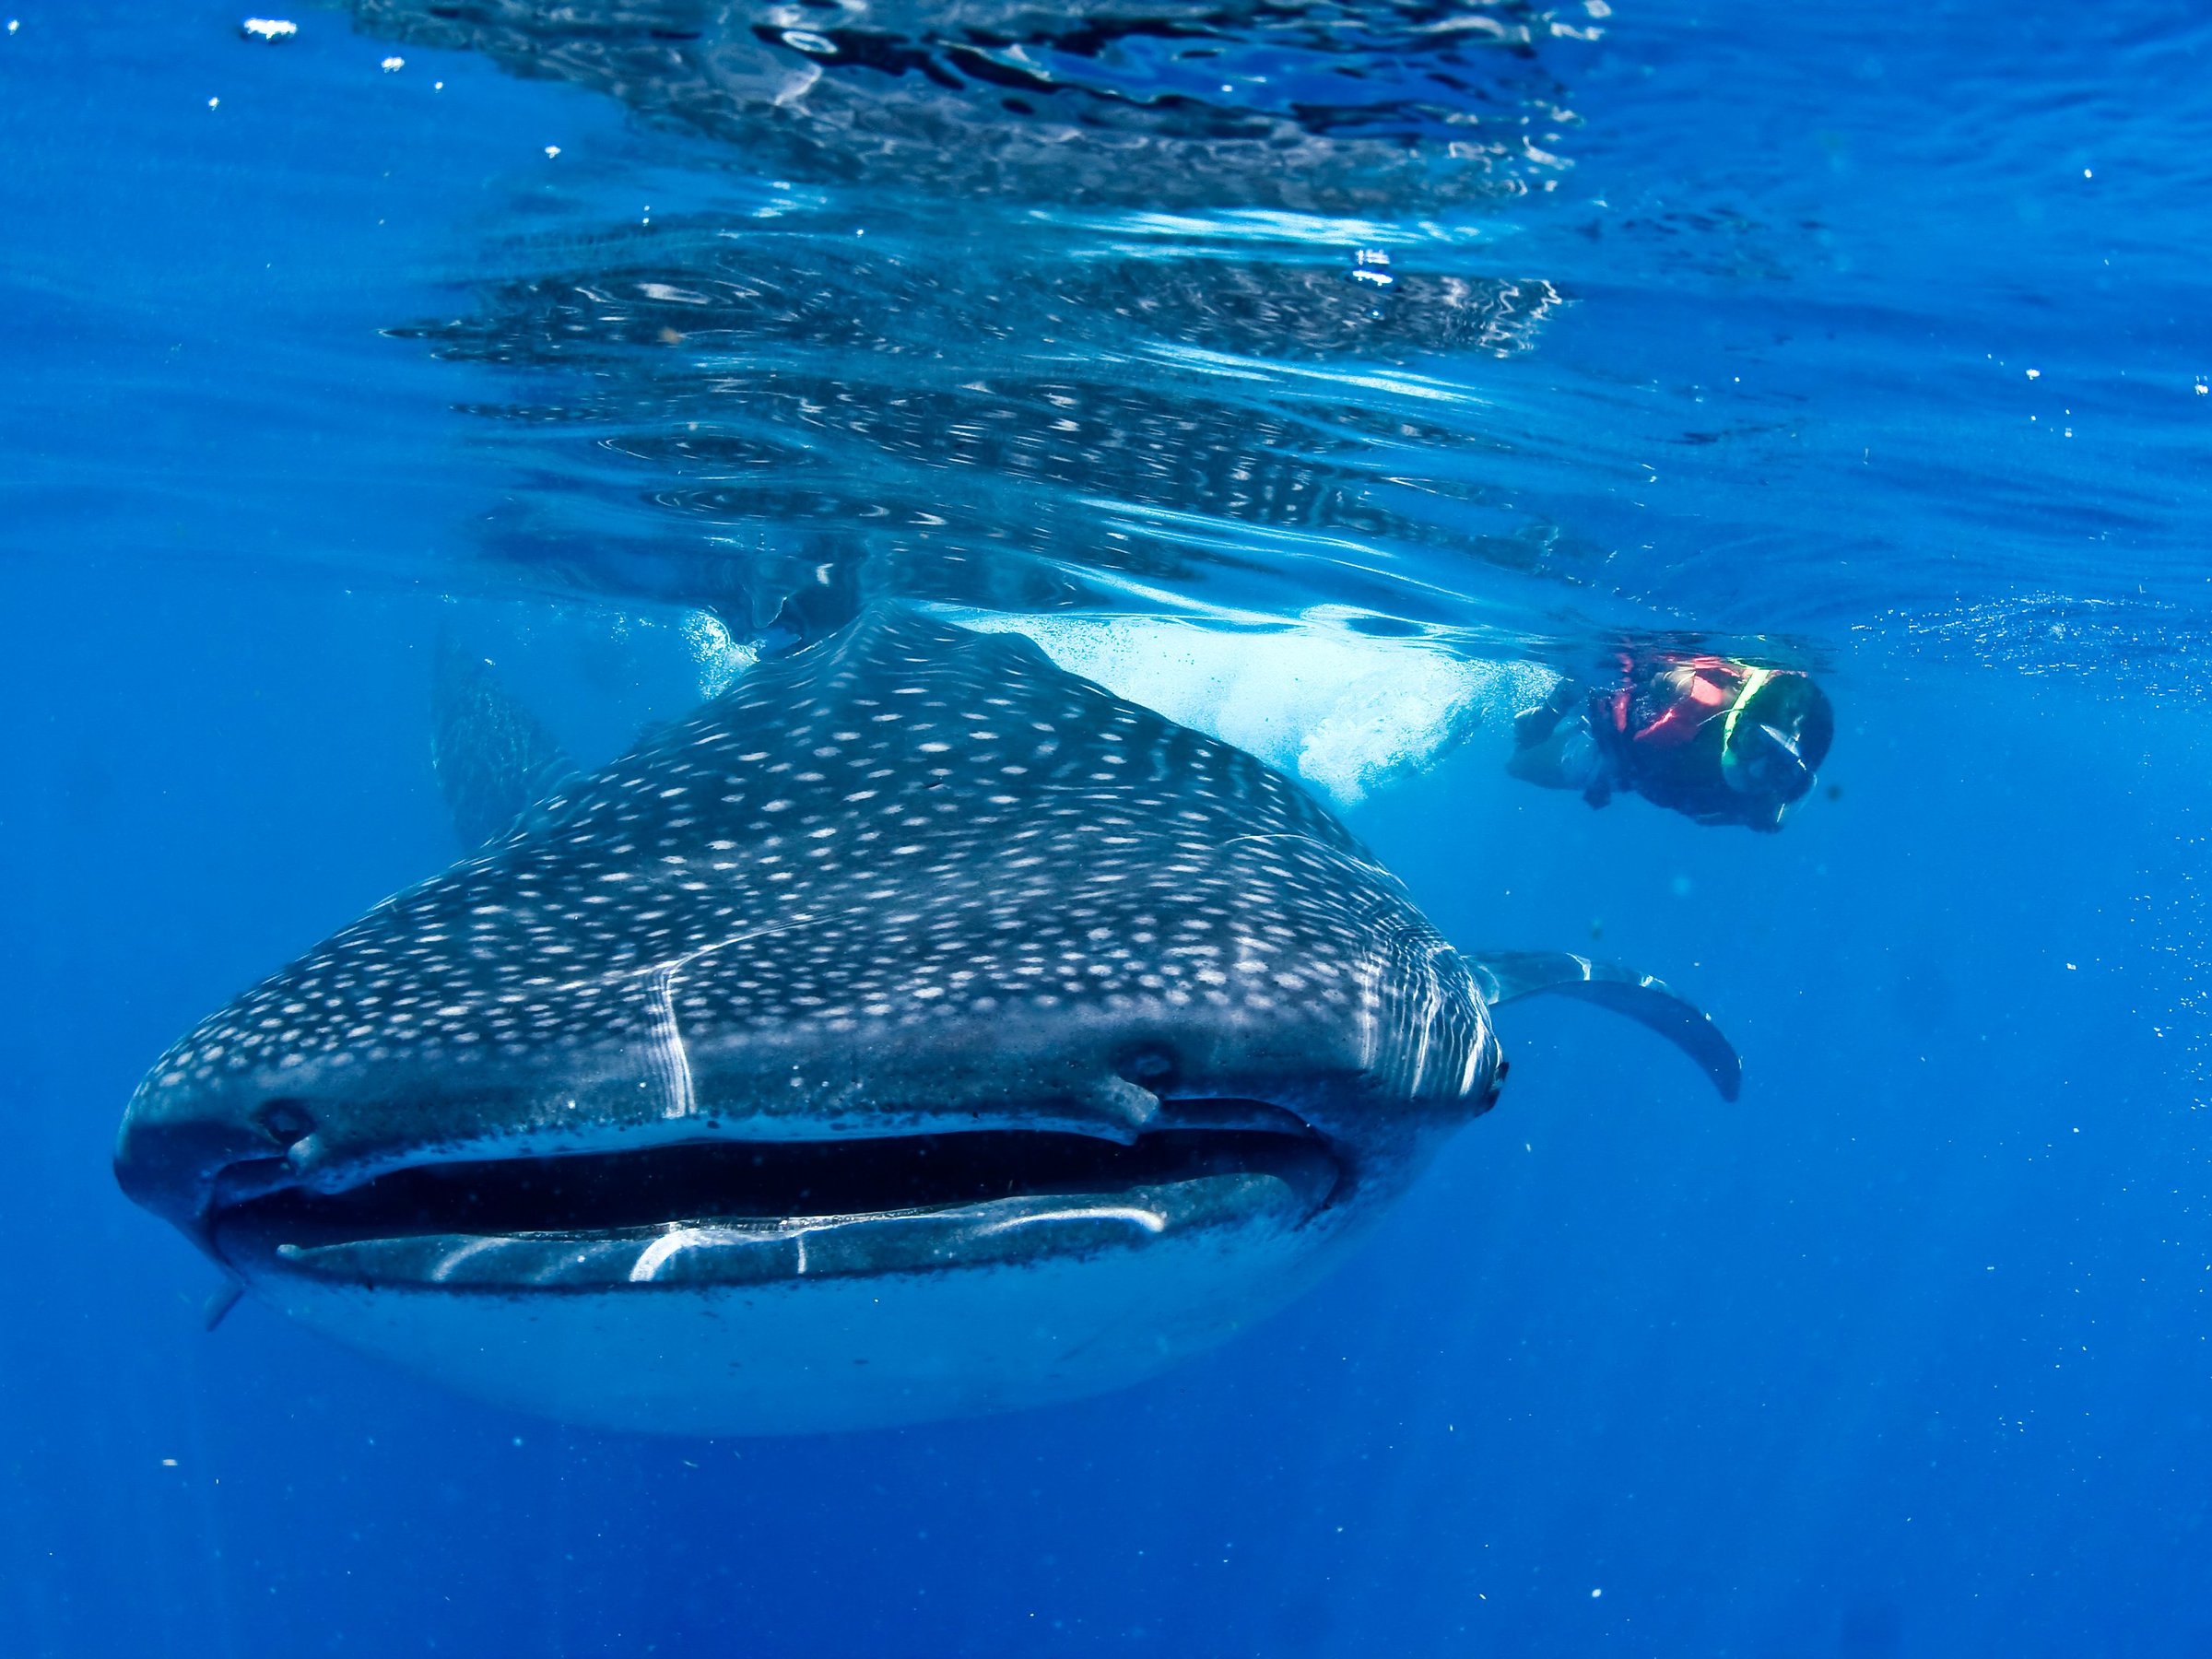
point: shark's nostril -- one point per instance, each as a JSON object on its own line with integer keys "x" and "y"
{"x": 285, "y": 1120}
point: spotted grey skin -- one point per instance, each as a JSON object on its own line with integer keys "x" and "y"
{"x": 916, "y": 1030}
{"x": 910, "y": 873}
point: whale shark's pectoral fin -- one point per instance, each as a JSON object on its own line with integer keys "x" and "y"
{"x": 1507, "y": 975}
{"x": 493, "y": 758}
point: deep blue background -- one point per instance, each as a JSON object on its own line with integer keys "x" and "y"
{"x": 1909, "y": 1353}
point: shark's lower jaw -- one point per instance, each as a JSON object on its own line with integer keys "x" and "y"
{"x": 763, "y": 1287}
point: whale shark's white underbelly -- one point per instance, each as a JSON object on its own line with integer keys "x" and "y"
{"x": 1343, "y": 711}
{"x": 807, "y": 1355}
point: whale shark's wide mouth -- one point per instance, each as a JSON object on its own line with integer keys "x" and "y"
{"x": 751, "y": 1212}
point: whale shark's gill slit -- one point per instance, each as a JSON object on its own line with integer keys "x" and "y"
{"x": 1368, "y": 983}
{"x": 667, "y": 1057}
{"x": 668, "y": 1062}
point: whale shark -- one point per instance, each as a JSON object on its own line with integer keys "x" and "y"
{"x": 915, "y": 1030}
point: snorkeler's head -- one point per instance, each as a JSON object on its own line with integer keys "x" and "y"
{"x": 1777, "y": 738}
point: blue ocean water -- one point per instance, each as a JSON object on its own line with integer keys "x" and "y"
{"x": 1863, "y": 342}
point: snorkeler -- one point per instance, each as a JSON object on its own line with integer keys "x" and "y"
{"x": 1716, "y": 739}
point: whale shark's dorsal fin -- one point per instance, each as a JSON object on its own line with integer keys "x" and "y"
{"x": 1507, "y": 975}
{"x": 493, "y": 758}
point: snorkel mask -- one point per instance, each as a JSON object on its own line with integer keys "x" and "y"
{"x": 1763, "y": 749}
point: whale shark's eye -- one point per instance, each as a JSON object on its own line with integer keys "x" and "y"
{"x": 284, "y": 1120}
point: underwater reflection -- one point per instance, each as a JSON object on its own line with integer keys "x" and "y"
{"x": 1327, "y": 108}
{"x": 768, "y": 410}
{"x": 1143, "y": 301}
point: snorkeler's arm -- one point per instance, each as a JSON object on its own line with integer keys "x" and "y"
{"x": 1569, "y": 757}
{"x": 1539, "y": 762}
{"x": 1531, "y": 726}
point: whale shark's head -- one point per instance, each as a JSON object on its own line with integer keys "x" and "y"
{"x": 915, "y": 1030}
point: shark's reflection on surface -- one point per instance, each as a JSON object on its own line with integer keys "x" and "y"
{"x": 1315, "y": 106}
{"x": 1022, "y": 306}
{"x": 750, "y": 410}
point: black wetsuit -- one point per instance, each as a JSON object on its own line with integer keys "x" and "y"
{"x": 1664, "y": 743}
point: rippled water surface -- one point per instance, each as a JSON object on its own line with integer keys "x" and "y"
{"x": 1326, "y": 375}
